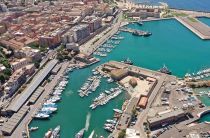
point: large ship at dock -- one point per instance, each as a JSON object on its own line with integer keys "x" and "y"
{"x": 141, "y": 33}
{"x": 127, "y": 61}
{"x": 165, "y": 70}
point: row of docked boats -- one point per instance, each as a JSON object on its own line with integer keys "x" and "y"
{"x": 53, "y": 133}
{"x": 105, "y": 97}
{"x": 90, "y": 85}
{"x": 107, "y": 76}
{"x": 204, "y": 93}
{"x": 102, "y": 51}
{"x": 116, "y": 37}
{"x": 201, "y": 74}
{"x": 71, "y": 69}
{"x": 49, "y": 106}
{"x": 110, "y": 124}
{"x": 108, "y": 46}
{"x": 111, "y": 43}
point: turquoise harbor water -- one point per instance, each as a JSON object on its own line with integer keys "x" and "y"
{"x": 205, "y": 20}
{"x": 196, "y": 5}
{"x": 206, "y": 100}
{"x": 171, "y": 44}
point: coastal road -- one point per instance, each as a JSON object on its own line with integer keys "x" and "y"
{"x": 48, "y": 89}
{"x": 143, "y": 115}
{"x": 88, "y": 48}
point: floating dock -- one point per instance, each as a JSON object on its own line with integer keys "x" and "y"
{"x": 200, "y": 29}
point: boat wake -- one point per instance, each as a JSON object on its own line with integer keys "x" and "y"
{"x": 69, "y": 93}
{"x": 91, "y": 135}
{"x": 87, "y": 123}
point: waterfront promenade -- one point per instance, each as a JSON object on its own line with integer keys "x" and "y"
{"x": 92, "y": 45}
{"x": 33, "y": 109}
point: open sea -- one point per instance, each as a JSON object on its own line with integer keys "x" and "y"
{"x": 170, "y": 43}
{"x": 196, "y": 5}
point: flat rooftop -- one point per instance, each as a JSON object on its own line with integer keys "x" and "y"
{"x": 17, "y": 103}
{"x": 166, "y": 116}
{"x": 200, "y": 29}
{"x": 13, "y": 122}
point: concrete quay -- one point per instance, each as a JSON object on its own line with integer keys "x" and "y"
{"x": 161, "y": 78}
{"x": 138, "y": 70}
{"x": 200, "y": 29}
{"x": 164, "y": 82}
{"x": 34, "y": 108}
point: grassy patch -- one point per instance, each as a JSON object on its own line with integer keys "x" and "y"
{"x": 192, "y": 19}
{"x": 125, "y": 17}
{"x": 179, "y": 14}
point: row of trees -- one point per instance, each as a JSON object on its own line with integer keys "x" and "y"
{"x": 4, "y": 61}
{"x": 63, "y": 54}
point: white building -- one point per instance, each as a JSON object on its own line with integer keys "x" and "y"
{"x": 132, "y": 133}
{"x": 2, "y": 67}
{"x": 19, "y": 64}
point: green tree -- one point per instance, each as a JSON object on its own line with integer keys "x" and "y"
{"x": 2, "y": 78}
{"x": 5, "y": 62}
{"x": 34, "y": 46}
{"x": 7, "y": 72}
{"x": 133, "y": 112}
{"x": 43, "y": 48}
{"x": 36, "y": 64}
{"x": 60, "y": 57}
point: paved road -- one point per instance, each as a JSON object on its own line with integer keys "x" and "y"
{"x": 88, "y": 48}
{"x": 142, "y": 117}
{"x": 48, "y": 88}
